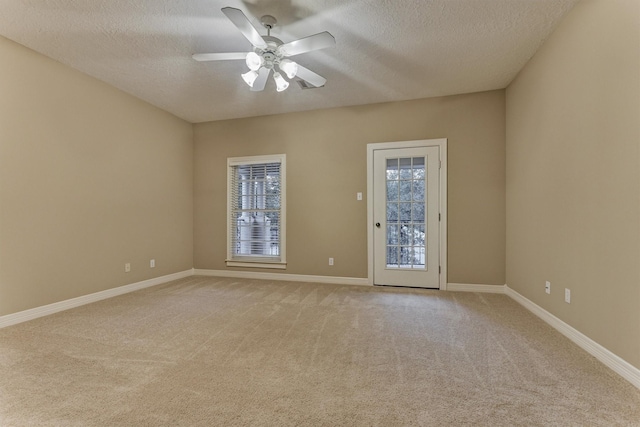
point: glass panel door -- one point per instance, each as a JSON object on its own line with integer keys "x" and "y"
{"x": 405, "y": 213}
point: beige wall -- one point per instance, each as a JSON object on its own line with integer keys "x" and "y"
{"x": 90, "y": 178}
{"x": 573, "y": 174}
{"x": 326, "y": 167}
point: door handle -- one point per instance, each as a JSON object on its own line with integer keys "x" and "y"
{"x": 378, "y": 224}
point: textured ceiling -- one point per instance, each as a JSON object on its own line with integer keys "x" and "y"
{"x": 387, "y": 50}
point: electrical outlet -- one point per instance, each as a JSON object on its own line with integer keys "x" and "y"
{"x": 547, "y": 287}
{"x": 152, "y": 263}
{"x": 330, "y": 261}
{"x": 567, "y": 295}
{"x": 127, "y": 267}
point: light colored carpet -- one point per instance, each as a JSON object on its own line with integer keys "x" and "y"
{"x": 210, "y": 351}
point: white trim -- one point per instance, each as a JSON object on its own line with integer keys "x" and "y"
{"x": 256, "y": 160}
{"x": 443, "y": 212}
{"x": 252, "y": 264}
{"x": 466, "y": 287}
{"x": 272, "y": 158}
{"x": 284, "y": 277}
{"x": 45, "y": 310}
{"x": 608, "y": 358}
{"x": 442, "y": 144}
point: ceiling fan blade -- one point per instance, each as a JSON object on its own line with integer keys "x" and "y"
{"x": 310, "y": 77}
{"x": 223, "y": 56}
{"x": 261, "y": 81}
{"x": 307, "y": 44}
{"x": 241, "y": 21}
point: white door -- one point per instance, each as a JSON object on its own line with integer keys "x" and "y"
{"x": 406, "y": 211}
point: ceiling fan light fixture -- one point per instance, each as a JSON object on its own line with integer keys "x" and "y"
{"x": 254, "y": 61}
{"x": 270, "y": 53}
{"x": 250, "y": 77}
{"x": 281, "y": 83}
{"x": 289, "y": 67}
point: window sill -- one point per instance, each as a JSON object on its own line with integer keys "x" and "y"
{"x": 257, "y": 264}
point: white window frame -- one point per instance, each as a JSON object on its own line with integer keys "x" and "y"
{"x": 279, "y": 262}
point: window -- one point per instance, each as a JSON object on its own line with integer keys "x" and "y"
{"x": 256, "y": 211}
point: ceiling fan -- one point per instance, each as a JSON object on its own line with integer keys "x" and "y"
{"x": 270, "y": 53}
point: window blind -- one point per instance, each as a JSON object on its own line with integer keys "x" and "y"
{"x": 255, "y": 210}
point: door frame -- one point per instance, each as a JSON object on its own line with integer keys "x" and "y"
{"x": 442, "y": 144}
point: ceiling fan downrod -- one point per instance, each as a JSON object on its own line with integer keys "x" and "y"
{"x": 268, "y": 22}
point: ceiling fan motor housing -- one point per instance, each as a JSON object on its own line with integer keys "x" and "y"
{"x": 271, "y": 54}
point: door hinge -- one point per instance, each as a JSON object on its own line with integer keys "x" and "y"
{"x": 439, "y": 217}
{"x": 439, "y": 269}
{"x": 440, "y": 165}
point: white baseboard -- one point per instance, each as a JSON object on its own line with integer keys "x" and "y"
{"x": 45, "y": 310}
{"x": 285, "y": 277}
{"x": 611, "y": 360}
{"x": 464, "y": 287}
